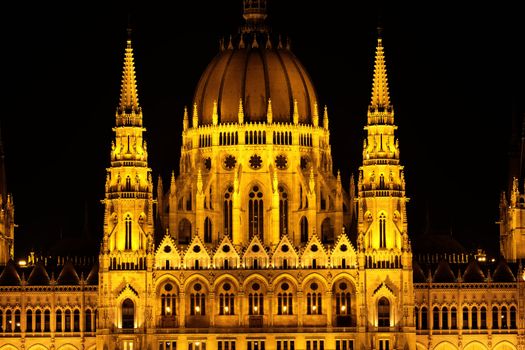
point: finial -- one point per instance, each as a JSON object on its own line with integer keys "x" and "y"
{"x": 295, "y": 112}
{"x": 195, "y": 116}
{"x": 288, "y": 43}
{"x": 241, "y": 42}
{"x": 311, "y": 181}
{"x": 230, "y": 44}
{"x": 268, "y": 41}
{"x": 173, "y": 184}
{"x": 315, "y": 118}
{"x": 279, "y": 43}
{"x": 241, "y": 112}
{"x": 269, "y": 112}
{"x": 215, "y": 115}
{"x": 325, "y": 118}
{"x": 185, "y": 120}
{"x": 255, "y": 44}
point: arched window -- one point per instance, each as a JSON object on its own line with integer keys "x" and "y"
{"x": 314, "y": 303}
{"x": 381, "y": 182}
{"x": 58, "y": 321}
{"x": 1, "y": 321}
{"x": 128, "y": 314}
{"x": 495, "y": 317}
{"x": 382, "y": 231}
{"x": 87, "y": 322}
{"x": 197, "y": 300}
{"x": 465, "y": 318}
{"x": 67, "y": 321}
{"x": 76, "y": 320}
{"x": 416, "y": 317}
{"x": 283, "y": 211}
{"x": 17, "y": 320}
{"x": 207, "y": 230}
{"x": 304, "y": 229}
{"x": 38, "y": 321}
{"x": 453, "y": 318}
{"x": 8, "y": 321}
{"x": 435, "y": 318}
{"x": 327, "y": 231}
{"x": 504, "y": 320}
{"x": 29, "y": 320}
{"x": 475, "y": 324}
{"x": 256, "y": 212}
{"x": 483, "y": 317}
{"x": 512, "y": 317}
{"x": 284, "y": 300}
{"x": 226, "y": 299}
{"x": 383, "y": 312}
{"x": 184, "y": 231}
{"x": 424, "y": 318}
{"x": 168, "y": 300}
{"x": 444, "y": 318}
{"x": 227, "y": 209}
{"x": 47, "y": 320}
{"x": 255, "y": 304}
{"x": 127, "y": 222}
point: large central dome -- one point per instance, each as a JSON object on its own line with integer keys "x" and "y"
{"x": 254, "y": 69}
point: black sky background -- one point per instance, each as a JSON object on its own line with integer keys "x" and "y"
{"x": 456, "y": 80}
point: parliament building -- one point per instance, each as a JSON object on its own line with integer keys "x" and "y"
{"x": 255, "y": 244}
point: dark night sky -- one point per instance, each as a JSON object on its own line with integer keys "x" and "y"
{"x": 456, "y": 80}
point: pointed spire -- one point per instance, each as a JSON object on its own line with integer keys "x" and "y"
{"x": 215, "y": 114}
{"x": 315, "y": 118}
{"x": 195, "y": 116}
{"x": 325, "y": 118}
{"x": 241, "y": 42}
{"x": 3, "y": 184}
{"x": 241, "y": 112}
{"x": 129, "y": 100}
{"x": 185, "y": 120}
{"x": 380, "y": 95}
{"x": 311, "y": 182}
{"x": 230, "y": 44}
{"x": 295, "y": 112}
{"x": 160, "y": 188}
{"x": 280, "y": 43}
{"x": 173, "y": 184}
{"x": 269, "y": 112}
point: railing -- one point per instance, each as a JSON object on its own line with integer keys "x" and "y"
{"x": 170, "y": 321}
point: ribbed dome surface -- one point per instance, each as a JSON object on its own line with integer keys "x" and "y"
{"x": 443, "y": 273}
{"x": 255, "y": 72}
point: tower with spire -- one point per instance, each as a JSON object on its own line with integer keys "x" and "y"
{"x": 7, "y": 212}
{"x": 127, "y": 246}
{"x": 384, "y": 251}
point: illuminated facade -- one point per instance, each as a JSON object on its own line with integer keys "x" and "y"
{"x": 256, "y": 251}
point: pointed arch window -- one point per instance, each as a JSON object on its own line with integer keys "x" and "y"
{"x": 184, "y": 231}
{"x": 128, "y": 184}
{"x": 76, "y": 320}
{"x": 453, "y": 318}
{"x": 512, "y": 317}
{"x": 382, "y": 230}
{"x": 327, "y": 231}
{"x": 128, "y": 314}
{"x": 38, "y": 321}
{"x": 424, "y": 318}
{"x": 29, "y": 320}
{"x": 58, "y": 321}
{"x": 444, "y": 318}
{"x": 383, "y": 312}
{"x": 228, "y": 209}
{"x": 207, "y": 230}
{"x": 47, "y": 320}
{"x": 87, "y": 322}
{"x": 127, "y": 223}
{"x": 283, "y": 211}
{"x": 17, "y": 320}
{"x": 495, "y": 317}
{"x": 256, "y": 212}
{"x": 304, "y": 229}
{"x": 168, "y": 301}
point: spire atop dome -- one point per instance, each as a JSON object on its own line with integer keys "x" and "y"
{"x": 380, "y": 95}
{"x": 129, "y": 99}
{"x": 254, "y": 14}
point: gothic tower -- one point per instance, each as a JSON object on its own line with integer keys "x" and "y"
{"x": 7, "y": 212}
{"x": 127, "y": 247}
{"x": 256, "y": 158}
{"x": 384, "y": 251}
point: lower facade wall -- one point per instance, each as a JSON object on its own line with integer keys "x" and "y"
{"x": 468, "y": 342}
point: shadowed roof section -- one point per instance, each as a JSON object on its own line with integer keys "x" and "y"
{"x": 68, "y": 275}
{"x": 443, "y": 273}
{"x": 38, "y": 276}
{"x": 9, "y": 276}
{"x": 503, "y": 273}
